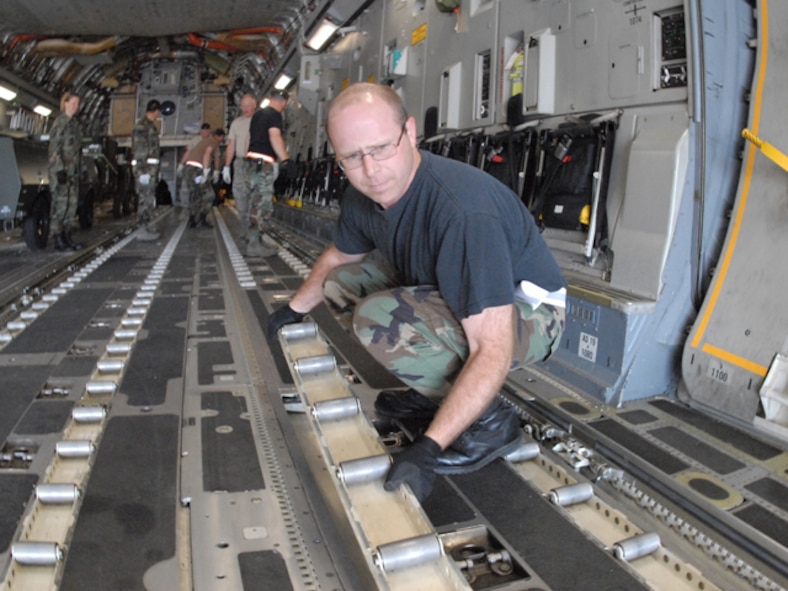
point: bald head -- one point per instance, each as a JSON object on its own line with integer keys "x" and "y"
{"x": 366, "y": 93}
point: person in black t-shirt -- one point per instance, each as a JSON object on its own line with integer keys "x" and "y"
{"x": 266, "y": 144}
{"x": 446, "y": 280}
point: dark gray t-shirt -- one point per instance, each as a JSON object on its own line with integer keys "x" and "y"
{"x": 457, "y": 228}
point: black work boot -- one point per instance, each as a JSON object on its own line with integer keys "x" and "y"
{"x": 192, "y": 222}
{"x": 407, "y": 404}
{"x": 59, "y": 244}
{"x": 493, "y": 435}
{"x": 69, "y": 242}
{"x": 204, "y": 223}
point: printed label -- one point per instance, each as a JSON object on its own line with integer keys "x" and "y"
{"x": 720, "y": 372}
{"x": 588, "y": 346}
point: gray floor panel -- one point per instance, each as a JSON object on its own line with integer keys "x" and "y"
{"x": 127, "y": 521}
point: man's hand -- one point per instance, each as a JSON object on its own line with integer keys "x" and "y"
{"x": 283, "y": 316}
{"x": 62, "y": 177}
{"x": 415, "y": 466}
{"x": 226, "y": 175}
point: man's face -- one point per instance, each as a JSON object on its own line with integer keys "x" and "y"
{"x": 205, "y": 133}
{"x": 248, "y": 106}
{"x": 71, "y": 106}
{"x": 360, "y": 127}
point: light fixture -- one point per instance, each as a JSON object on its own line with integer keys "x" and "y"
{"x": 322, "y": 34}
{"x": 283, "y": 81}
{"x": 6, "y": 93}
{"x": 42, "y": 110}
{"x": 265, "y": 102}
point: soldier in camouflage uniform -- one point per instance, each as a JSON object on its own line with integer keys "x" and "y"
{"x": 266, "y": 143}
{"x": 145, "y": 161}
{"x": 462, "y": 288}
{"x": 198, "y": 175}
{"x": 65, "y": 150}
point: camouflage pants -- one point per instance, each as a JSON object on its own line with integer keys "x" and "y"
{"x": 241, "y": 192}
{"x": 200, "y": 194}
{"x": 146, "y": 191}
{"x": 260, "y": 179}
{"x": 64, "y": 204}
{"x": 413, "y": 333}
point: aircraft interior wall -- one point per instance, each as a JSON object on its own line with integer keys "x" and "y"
{"x": 637, "y": 276}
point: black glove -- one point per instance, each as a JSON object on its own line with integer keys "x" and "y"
{"x": 415, "y": 466}
{"x": 284, "y": 315}
{"x": 290, "y": 168}
{"x": 62, "y": 177}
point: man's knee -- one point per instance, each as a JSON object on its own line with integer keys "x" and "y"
{"x": 339, "y": 288}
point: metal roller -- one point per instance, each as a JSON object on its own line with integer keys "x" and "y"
{"x": 57, "y": 494}
{"x": 138, "y": 311}
{"x": 101, "y": 387}
{"x": 637, "y": 546}
{"x": 564, "y": 496}
{"x": 74, "y": 448}
{"x": 527, "y": 451}
{"x": 140, "y": 303}
{"x": 336, "y": 409}
{"x": 363, "y": 469}
{"x": 16, "y": 325}
{"x": 88, "y": 414}
{"x": 314, "y": 365}
{"x": 109, "y": 365}
{"x": 28, "y": 315}
{"x": 37, "y": 553}
{"x": 118, "y": 348}
{"x": 134, "y": 322}
{"x": 408, "y": 553}
{"x": 125, "y": 334}
{"x": 299, "y": 330}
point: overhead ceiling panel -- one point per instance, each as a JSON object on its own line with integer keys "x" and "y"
{"x": 147, "y": 18}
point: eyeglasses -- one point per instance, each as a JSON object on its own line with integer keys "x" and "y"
{"x": 384, "y": 152}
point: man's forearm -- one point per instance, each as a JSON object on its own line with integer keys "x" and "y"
{"x": 229, "y": 153}
{"x": 491, "y": 343}
{"x": 473, "y": 391}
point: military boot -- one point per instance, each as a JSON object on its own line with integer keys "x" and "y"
{"x": 192, "y": 222}
{"x": 204, "y": 223}
{"x": 147, "y": 234}
{"x": 66, "y": 238}
{"x": 255, "y": 248}
{"x": 408, "y": 404}
{"x": 493, "y": 435}
{"x": 59, "y": 244}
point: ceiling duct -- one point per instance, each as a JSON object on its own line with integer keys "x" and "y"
{"x": 56, "y": 47}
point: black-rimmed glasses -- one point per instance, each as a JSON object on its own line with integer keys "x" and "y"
{"x": 384, "y": 152}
